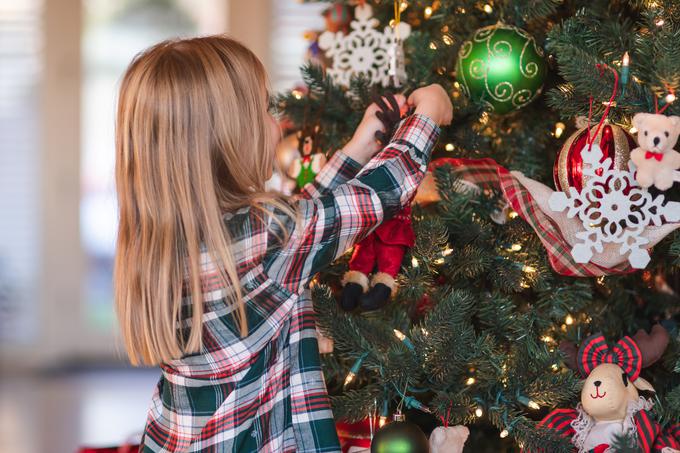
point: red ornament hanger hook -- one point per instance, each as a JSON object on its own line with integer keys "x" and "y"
{"x": 656, "y": 102}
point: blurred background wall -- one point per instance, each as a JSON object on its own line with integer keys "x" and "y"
{"x": 63, "y": 378}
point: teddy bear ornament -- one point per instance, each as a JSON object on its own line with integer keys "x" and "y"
{"x": 656, "y": 161}
{"x": 615, "y": 400}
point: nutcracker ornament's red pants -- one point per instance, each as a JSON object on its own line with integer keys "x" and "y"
{"x": 381, "y": 252}
{"x": 372, "y": 253}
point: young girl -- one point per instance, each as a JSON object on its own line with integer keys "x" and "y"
{"x": 211, "y": 271}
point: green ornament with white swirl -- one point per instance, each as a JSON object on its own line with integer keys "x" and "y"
{"x": 502, "y": 67}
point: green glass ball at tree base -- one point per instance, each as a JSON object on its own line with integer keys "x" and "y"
{"x": 400, "y": 437}
{"x": 501, "y": 67}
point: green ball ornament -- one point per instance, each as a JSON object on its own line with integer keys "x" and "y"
{"x": 399, "y": 437}
{"x": 501, "y": 67}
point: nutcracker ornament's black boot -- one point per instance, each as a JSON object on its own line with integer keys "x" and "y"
{"x": 382, "y": 288}
{"x": 355, "y": 283}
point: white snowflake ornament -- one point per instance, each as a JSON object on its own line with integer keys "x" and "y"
{"x": 364, "y": 50}
{"x": 612, "y": 209}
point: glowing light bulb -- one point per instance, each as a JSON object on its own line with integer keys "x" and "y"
{"x": 439, "y": 261}
{"x": 559, "y": 129}
{"x": 515, "y": 247}
{"x": 533, "y": 405}
{"x": 633, "y": 130}
{"x": 554, "y": 367}
{"x": 512, "y": 214}
{"x": 529, "y": 269}
{"x": 505, "y": 433}
{"x": 447, "y": 40}
{"x": 488, "y": 9}
{"x": 547, "y": 339}
{"x": 428, "y": 12}
{"x": 569, "y": 320}
{"x": 660, "y": 22}
{"x": 456, "y": 85}
{"x": 670, "y": 97}
{"x": 484, "y": 118}
{"x": 470, "y": 381}
{"x": 382, "y": 421}
{"x": 447, "y": 251}
{"x": 626, "y": 59}
{"x": 399, "y": 335}
{"x": 297, "y": 94}
{"x": 479, "y": 411}
{"x": 433, "y": 45}
{"x": 350, "y": 377}
{"x": 403, "y": 6}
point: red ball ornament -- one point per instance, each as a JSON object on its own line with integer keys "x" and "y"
{"x": 337, "y": 17}
{"x": 354, "y": 434}
{"x": 614, "y": 141}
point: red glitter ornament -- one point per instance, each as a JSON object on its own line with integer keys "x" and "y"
{"x": 615, "y": 143}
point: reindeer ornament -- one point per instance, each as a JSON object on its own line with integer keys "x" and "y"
{"x": 305, "y": 168}
{"x": 611, "y": 402}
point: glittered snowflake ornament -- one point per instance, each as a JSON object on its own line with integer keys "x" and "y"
{"x": 365, "y": 50}
{"x": 613, "y": 210}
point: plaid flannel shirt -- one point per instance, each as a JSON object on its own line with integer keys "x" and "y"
{"x": 265, "y": 392}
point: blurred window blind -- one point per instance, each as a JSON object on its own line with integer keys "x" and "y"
{"x": 20, "y": 75}
{"x": 290, "y": 20}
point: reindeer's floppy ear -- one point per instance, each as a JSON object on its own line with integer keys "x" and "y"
{"x": 643, "y": 385}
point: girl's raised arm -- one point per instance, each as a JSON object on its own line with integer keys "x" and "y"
{"x": 333, "y": 222}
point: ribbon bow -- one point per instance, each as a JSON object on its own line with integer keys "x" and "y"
{"x": 625, "y": 353}
{"x": 652, "y": 155}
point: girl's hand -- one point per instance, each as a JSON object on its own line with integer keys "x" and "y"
{"x": 363, "y": 145}
{"x": 433, "y": 102}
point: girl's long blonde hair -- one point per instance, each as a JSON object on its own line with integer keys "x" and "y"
{"x": 192, "y": 143}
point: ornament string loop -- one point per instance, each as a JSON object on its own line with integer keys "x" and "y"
{"x": 591, "y": 138}
{"x": 656, "y": 104}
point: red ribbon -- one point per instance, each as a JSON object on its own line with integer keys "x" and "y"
{"x": 651, "y": 155}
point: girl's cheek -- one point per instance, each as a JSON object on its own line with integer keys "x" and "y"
{"x": 274, "y": 130}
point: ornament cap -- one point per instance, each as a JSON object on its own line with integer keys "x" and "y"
{"x": 398, "y": 417}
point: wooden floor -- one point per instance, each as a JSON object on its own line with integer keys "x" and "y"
{"x": 57, "y": 412}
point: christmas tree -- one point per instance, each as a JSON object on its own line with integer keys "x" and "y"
{"x": 472, "y": 336}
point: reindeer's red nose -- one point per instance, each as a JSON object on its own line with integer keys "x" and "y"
{"x": 597, "y": 383}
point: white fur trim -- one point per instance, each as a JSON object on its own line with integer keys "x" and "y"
{"x": 355, "y": 277}
{"x": 385, "y": 279}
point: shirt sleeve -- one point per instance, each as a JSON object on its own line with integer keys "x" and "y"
{"x": 338, "y": 170}
{"x": 330, "y": 224}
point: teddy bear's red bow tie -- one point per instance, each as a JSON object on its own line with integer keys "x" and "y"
{"x": 651, "y": 155}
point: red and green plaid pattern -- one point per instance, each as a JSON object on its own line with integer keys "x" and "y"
{"x": 487, "y": 174}
{"x": 650, "y": 437}
{"x": 266, "y": 392}
{"x": 625, "y": 353}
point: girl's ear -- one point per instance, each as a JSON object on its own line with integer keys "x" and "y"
{"x": 317, "y": 128}
{"x": 299, "y": 134}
